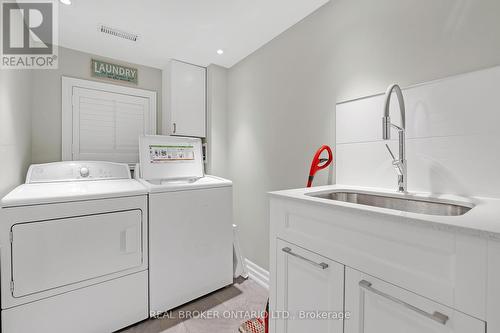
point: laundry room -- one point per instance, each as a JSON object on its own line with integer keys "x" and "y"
{"x": 274, "y": 166}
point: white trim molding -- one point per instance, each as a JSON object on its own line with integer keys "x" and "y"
{"x": 257, "y": 273}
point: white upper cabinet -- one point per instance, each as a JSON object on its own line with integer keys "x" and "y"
{"x": 184, "y": 111}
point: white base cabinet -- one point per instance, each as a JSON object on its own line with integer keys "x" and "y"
{"x": 386, "y": 274}
{"x": 310, "y": 292}
{"x": 379, "y": 307}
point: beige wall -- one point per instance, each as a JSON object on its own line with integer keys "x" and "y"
{"x": 46, "y": 139}
{"x": 15, "y": 127}
{"x": 281, "y": 99}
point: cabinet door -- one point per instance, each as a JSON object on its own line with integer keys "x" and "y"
{"x": 187, "y": 99}
{"x": 376, "y": 306}
{"x": 310, "y": 292}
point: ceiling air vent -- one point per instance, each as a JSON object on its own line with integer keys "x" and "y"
{"x": 119, "y": 33}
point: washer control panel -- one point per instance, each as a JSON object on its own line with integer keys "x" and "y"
{"x": 76, "y": 171}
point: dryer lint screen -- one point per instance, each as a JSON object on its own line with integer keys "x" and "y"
{"x": 170, "y": 153}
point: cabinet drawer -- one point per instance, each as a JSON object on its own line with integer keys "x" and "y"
{"x": 307, "y": 286}
{"x": 376, "y": 306}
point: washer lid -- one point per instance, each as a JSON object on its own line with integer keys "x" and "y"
{"x": 57, "y": 192}
{"x": 169, "y": 157}
{"x": 169, "y": 185}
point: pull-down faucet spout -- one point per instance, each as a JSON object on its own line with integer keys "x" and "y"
{"x": 400, "y": 163}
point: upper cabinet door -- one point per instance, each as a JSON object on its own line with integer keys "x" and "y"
{"x": 379, "y": 307}
{"x": 309, "y": 292}
{"x": 186, "y": 100}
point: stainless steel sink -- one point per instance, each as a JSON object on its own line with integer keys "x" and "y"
{"x": 412, "y": 205}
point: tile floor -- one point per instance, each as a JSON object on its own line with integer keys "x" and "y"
{"x": 236, "y": 301}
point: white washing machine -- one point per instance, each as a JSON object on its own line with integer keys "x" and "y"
{"x": 74, "y": 250}
{"x": 190, "y": 222}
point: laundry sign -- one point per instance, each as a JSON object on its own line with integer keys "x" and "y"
{"x": 107, "y": 70}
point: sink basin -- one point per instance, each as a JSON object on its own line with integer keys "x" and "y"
{"x": 413, "y": 205}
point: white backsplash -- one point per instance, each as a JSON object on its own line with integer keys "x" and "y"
{"x": 453, "y": 137}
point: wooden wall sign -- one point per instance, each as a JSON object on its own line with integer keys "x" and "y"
{"x": 107, "y": 70}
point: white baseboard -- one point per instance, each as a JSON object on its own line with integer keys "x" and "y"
{"x": 257, "y": 273}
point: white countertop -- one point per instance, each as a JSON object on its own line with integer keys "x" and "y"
{"x": 483, "y": 219}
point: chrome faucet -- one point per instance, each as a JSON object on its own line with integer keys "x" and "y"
{"x": 399, "y": 163}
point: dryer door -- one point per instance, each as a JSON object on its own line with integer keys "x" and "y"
{"x": 54, "y": 253}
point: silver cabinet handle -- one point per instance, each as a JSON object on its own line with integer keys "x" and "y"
{"x": 321, "y": 265}
{"x": 175, "y": 127}
{"x": 436, "y": 316}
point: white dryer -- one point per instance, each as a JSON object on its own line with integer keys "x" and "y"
{"x": 74, "y": 250}
{"x": 190, "y": 222}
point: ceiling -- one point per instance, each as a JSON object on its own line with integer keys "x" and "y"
{"x": 187, "y": 30}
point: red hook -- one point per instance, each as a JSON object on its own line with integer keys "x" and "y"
{"x": 319, "y": 163}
